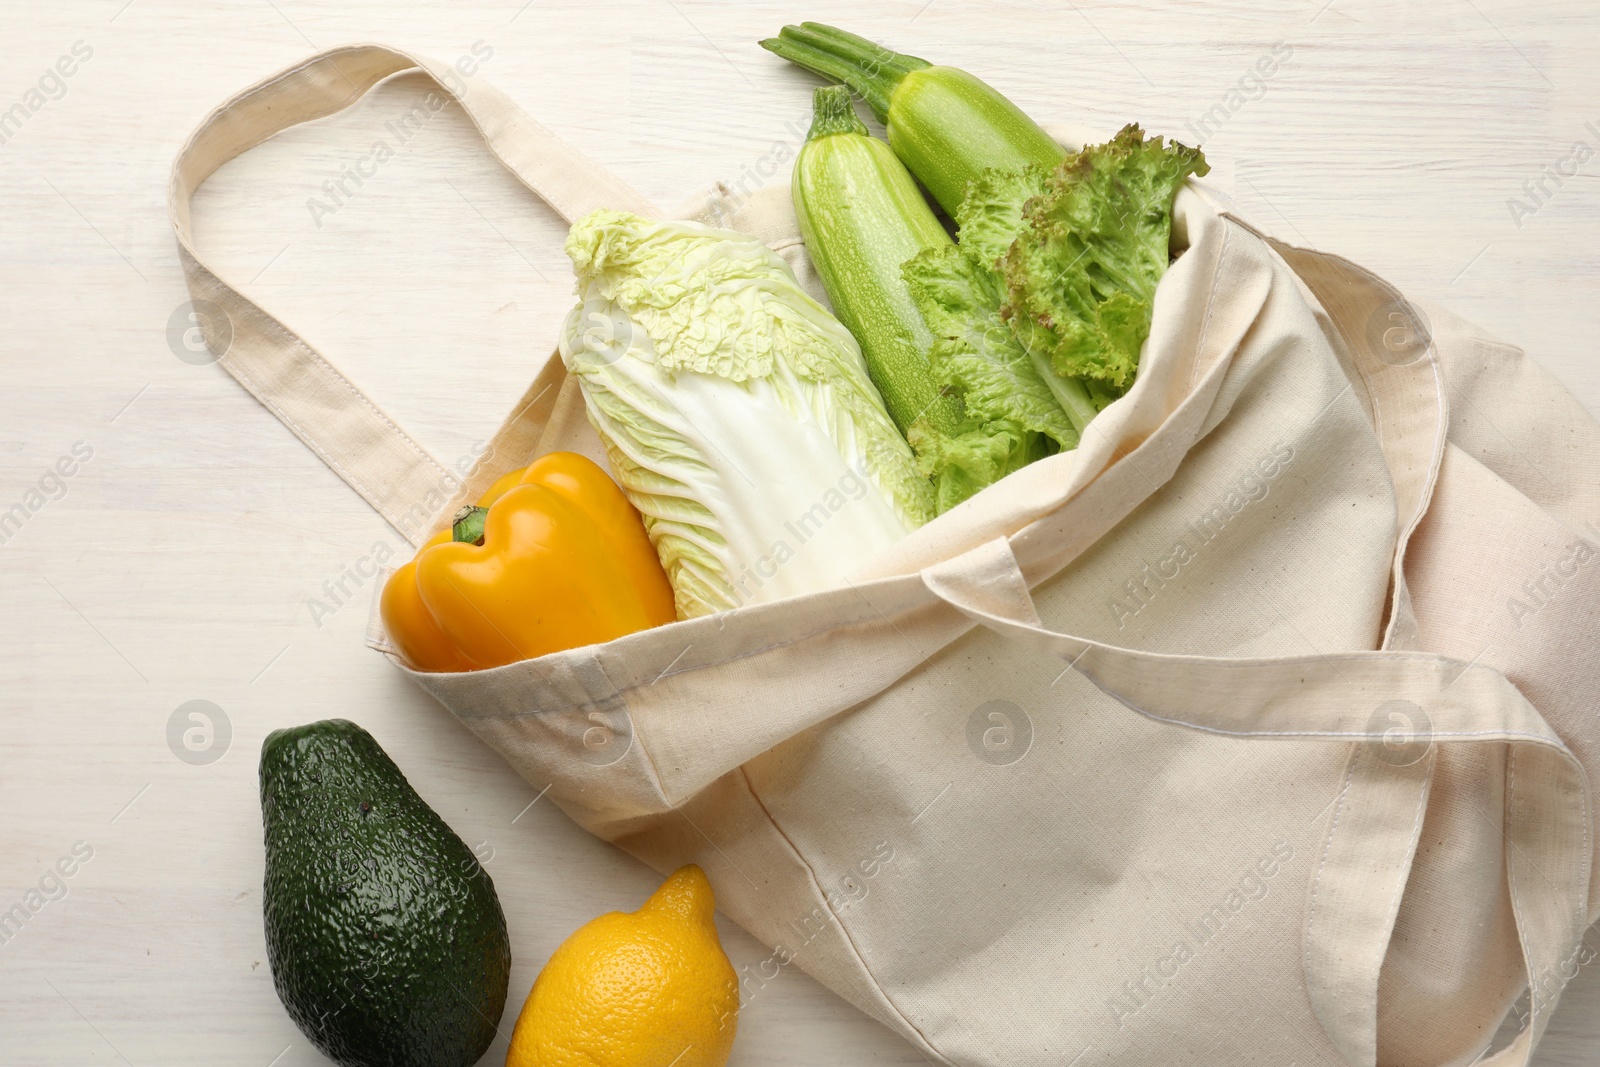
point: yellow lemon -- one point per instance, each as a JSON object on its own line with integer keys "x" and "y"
{"x": 647, "y": 989}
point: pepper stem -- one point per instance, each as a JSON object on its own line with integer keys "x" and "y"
{"x": 468, "y": 525}
{"x": 870, "y": 69}
{"x": 833, "y": 111}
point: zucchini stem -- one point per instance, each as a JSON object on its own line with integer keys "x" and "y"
{"x": 833, "y": 111}
{"x": 870, "y": 55}
{"x": 870, "y": 69}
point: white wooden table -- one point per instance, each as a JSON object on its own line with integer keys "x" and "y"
{"x": 178, "y": 561}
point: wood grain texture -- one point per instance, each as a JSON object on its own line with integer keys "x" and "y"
{"x": 179, "y": 561}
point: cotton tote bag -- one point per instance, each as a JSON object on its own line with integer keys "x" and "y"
{"x": 1256, "y": 730}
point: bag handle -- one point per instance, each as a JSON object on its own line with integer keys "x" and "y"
{"x": 327, "y": 411}
{"x": 1337, "y": 698}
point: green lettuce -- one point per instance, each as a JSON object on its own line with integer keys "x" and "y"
{"x": 991, "y": 215}
{"x": 1039, "y": 310}
{"x": 1013, "y": 414}
{"x": 1011, "y": 418}
{"x": 736, "y": 412}
{"x": 977, "y": 455}
{"x": 974, "y": 351}
{"x": 1081, "y": 287}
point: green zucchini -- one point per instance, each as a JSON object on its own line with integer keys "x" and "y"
{"x": 946, "y": 125}
{"x": 862, "y": 216}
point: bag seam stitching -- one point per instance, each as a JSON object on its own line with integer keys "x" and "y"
{"x": 1391, "y": 913}
{"x": 684, "y": 670}
{"x": 354, "y": 389}
{"x": 240, "y": 368}
{"x": 252, "y": 383}
{"x": 1195, "y": 372}
{"x": 816, "y": 882}
{"x": 1316, "y": 881}
{"x": 1513, "y": 805}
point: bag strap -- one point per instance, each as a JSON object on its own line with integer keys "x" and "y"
{"x": 327, "y": 411}
{"x": 1374, "y": 832}
{"x": 1339, "y": 698}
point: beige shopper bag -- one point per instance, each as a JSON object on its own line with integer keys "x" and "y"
{"x": 1254, "y": 731}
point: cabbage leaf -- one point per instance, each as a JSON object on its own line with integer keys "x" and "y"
{"x": 737, "y": 413}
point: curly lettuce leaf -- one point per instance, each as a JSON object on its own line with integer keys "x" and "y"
{"x": 737, "y": 413}
{"x": 1080, "y": 284}
{"x": 990, "y": 216}
{"x": 1039, "y": 311}
{"x": 975, "y": 457}
{"x": 974, "y": 352}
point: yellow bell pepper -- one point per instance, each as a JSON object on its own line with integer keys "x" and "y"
{"x": 553, "y": 557}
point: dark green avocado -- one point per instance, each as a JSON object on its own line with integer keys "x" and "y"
{"x": 385, "y": 936}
